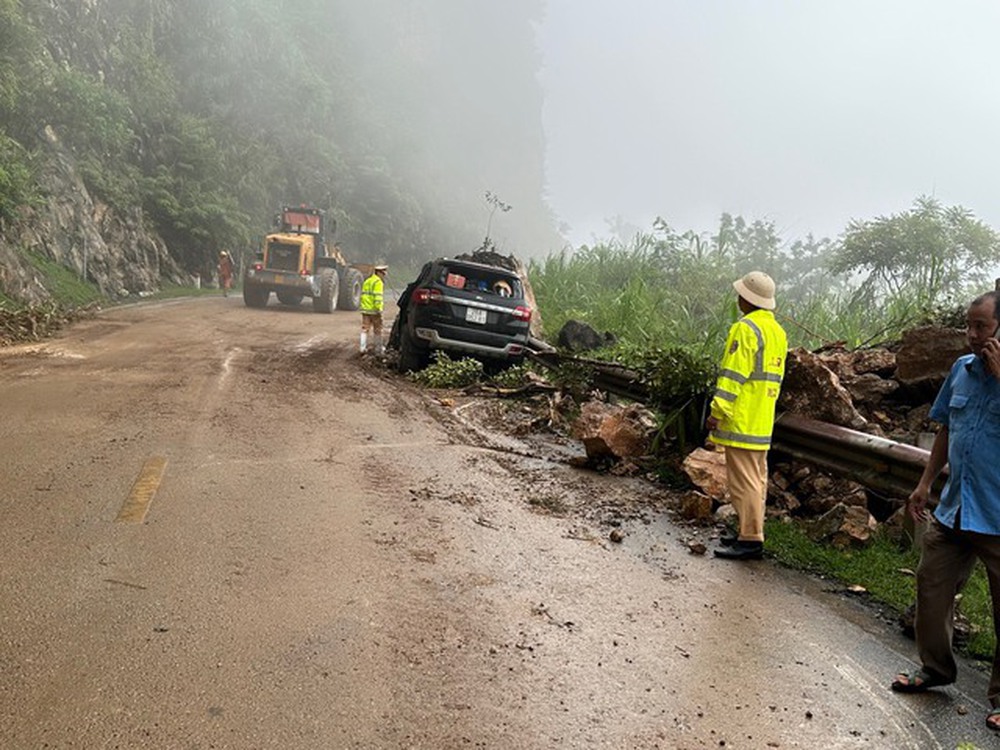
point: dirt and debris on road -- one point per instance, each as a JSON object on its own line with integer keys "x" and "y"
{"x": 337, "y": 558}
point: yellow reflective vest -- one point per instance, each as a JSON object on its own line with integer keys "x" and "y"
{"x": 749, "y": 382}
{"x": 371, "y": 294}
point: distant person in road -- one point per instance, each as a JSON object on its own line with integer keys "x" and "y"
{"x": 372, "y": 296}
{"x": 742, "y": 409}
{"x": 225, "y": 272}
{"x": 965, "y": 525}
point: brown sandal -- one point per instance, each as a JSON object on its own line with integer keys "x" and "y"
{"x": 917, "y": 682}
{"x": 993, "y": 714}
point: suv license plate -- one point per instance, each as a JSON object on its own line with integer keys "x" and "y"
{"x": 278, "y": 278}
{"x": 475, "y": 315}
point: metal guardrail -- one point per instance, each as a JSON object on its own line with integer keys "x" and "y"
{"x": 876, "y": 462}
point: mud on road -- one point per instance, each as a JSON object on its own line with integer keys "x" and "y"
{"x": 570, "y": 639}
{"x": 338, "y": 558}
{"x": 522, "y": 455}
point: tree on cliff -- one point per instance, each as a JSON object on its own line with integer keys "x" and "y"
{"x": 210, "y": 113}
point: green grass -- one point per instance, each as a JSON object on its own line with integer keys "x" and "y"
{"x": 880, "y": 569}
{"x": 875, "y": 567}
{"x": 174, "y": 291}
{"x": 68, "y": 290}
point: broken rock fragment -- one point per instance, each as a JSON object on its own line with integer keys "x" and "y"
{"x": 622, "y": 432}
{"x": 707, "y": 471}
{"x": 694, "y": 506}
{"x": 843, "y": 526}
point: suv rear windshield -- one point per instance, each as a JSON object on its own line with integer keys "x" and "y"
{"x": 480, "y": 280}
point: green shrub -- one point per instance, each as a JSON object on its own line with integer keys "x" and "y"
{"x": 17, "y": 179}
{"x": 446, "y": 372}
{"x": 512, "y": 377}
{"x": 64, "y": 284}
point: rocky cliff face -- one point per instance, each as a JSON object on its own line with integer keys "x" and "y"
{"x": 115, "y": 251}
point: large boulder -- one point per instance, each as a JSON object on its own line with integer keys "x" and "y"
{"x": 865, "y": 373}
{"x": 812, "y": 389}
{"x": 608, "y": 430}
{"x": 851, "y": 364}
{"x": 576, "y": 336}
{"x": 869, "y": 388}
{"x": 928, "y": 352}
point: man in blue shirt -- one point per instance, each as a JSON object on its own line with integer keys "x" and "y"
{"x": 966, "y": 522}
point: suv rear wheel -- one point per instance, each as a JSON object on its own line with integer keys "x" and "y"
{"x": 411, "y": 357}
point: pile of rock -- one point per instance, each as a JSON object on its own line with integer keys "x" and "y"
{"x": 885, "y": 391}
{"x": 882, "y": 391}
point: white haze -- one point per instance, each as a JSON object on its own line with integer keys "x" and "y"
{"x": 809, "y": 113}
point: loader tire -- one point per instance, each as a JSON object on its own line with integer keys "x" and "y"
{"x": 328, "y": 283}
{"x": 255, "y": 296}
{"x": 350, "y": 289}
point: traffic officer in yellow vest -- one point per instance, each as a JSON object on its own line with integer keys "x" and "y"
{"x": 742, "y": 410}
{"x": 372, "y": 292}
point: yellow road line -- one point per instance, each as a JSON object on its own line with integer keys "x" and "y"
{"x": 137, "y": 503}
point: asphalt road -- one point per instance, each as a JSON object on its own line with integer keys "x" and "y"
{"x": 222, "y": 529}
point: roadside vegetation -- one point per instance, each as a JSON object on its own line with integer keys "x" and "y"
{"x": 72, "y": 299}
{"x": 662, "y": 293}
{"x": 666, "y": 298}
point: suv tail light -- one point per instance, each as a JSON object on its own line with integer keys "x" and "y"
{"x": 522, "y": 313}
{"x": 425, "y": 296}
{"x": 258, "y": 266}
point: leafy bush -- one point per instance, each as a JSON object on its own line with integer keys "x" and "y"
{"x": 680, "y": 382}
{"x": 17, "y": 179}
{"x": 446, "y": 372}
{"x": 512, "y": 377}
{"x": 65, "y": 286}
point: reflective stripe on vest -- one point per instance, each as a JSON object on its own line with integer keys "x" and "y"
{"x": 371, "y": 294}
{"x": 749, "y": 382}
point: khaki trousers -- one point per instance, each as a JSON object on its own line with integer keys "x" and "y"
{"x": 946, "y": 562}
{"x": 746, "y": 474}
{"x": 371, "y": 321}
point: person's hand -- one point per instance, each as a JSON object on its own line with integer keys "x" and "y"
{"x": 711, "y": 423}
{"x": 916, "y": 504}
{"x": 991, "y": 356}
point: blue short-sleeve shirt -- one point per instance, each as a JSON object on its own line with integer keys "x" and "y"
{"x": 968, "y": 404}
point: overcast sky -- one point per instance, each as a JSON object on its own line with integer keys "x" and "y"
{"x": 808, "y": 113}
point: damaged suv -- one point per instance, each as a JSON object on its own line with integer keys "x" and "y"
{"x": 463, "y": 308}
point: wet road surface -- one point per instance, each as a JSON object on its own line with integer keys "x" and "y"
{"x": 320, "y": 555}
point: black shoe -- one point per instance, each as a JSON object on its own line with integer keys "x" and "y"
{"x": 742, "y": 551}
{"x": 728, "y": 538}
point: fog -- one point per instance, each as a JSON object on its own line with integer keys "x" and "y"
{"x": 808, "y": 113}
